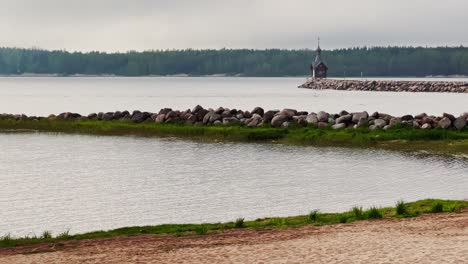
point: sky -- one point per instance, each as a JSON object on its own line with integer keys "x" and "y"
{"x": 123, "y": 25}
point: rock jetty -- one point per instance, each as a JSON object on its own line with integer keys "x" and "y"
{"x": 387, "y": 86}
{"x": 259, "y": 117}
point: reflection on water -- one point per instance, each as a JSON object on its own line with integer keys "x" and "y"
{"x": 56, "y": 182}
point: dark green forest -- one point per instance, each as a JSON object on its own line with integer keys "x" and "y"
{"x": 375, "y": 61}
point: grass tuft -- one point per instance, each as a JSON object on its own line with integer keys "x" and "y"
{"x": 314, "y": 216}
{"x": 374, "y": 213}
{"x": 358, "y": 213}
{"x": 437, "y": 207}
{"x": 239, "y": 223}
{"x": 401, "y": 208}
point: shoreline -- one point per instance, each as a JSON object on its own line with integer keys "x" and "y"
{"x": 314, "y": 218}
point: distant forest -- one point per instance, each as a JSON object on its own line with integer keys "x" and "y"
{"x": 376, "y": 61}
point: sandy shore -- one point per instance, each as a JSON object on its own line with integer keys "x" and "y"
{"x": 428, "y": 239}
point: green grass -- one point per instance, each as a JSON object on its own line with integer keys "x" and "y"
{"x": 314, "y": 218}
{"x": 401, "y": 208}
{"x": 399, "y": 137}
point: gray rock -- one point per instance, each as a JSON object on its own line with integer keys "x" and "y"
{"x": 362, "y": 122}
{"x": 197, "y": 108}
{"x": 426, "y": 126}
{"x": 323, "y": 116}
{"x": 258, "y": 111}
{"x": 108, "y": 116}
{"x": 255, "y": 121}
{"x": 90, "y": 116}
{"x": 380, "y": 123}
{"x": 344, "y": 119}
{"x": 358, "y": 116}
{"x": 288, "y": 112}
{"x": 445, "y": 123}
{"x": 339, "y": 126}
{"x": 230, "y": 121}
{"x": 286, "y": 124}
{"x": 460, "y": 123}
{"x": 407, "y": 118}
{"x": 160, "y": 118}
{"x": 449, "y": 116}
{"x": 312, "y": 119}
{"x": 278, "y": 120}
{"x": 268, "y": 116}
{"x": 190, "y": 119}
{"x": 217, "y": 122}
{"x": 420, "y": 116}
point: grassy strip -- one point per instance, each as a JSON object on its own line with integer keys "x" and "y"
{"x": 398, "y": 137}
{"x": 401, "y": 210}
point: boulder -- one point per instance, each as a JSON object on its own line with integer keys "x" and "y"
{"x": 343, "y": 113}
{"x": 211, "y": 117}
{"x": 190, "y": 119}
{"x": 288, "y": 112}
{"x": 420, "y": 116}
{"x": 301, "y": 120}
{"x": 278, "y": 120}
{"x": 138, "y": 117}
{"x": 460, "y": 123}
{"x": 407, "y": 118}
{"x": 339, "y": 126}
{"x": 230, "y": 121}
{"x": 344, "y": 119}
{"x": 160, "y": 118}
{"x": 380, "y": 123}
{"x": 358, "y": 116}
{"x": 449, "y": 116}
{"x": 108, "y": 116}
{"x": 445, "y": 123}
{"x": 312, "y": 119}
{"x": 255, "y": 121}
{"x": 268, "y": 116}
{"x": 362, "y": 122}
{"x": 258, "y": 111}
{"x": 196, "y": 109}
{"x": 426, "y": 126}
{"x": 323, "y": 116}
{"x": 91, "y": 116}
{"x": 286, "y": 124}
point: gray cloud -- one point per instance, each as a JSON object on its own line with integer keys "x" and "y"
{"x": 120, "y": 25}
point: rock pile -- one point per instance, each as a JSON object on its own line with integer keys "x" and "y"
{"x": 391, "y": 86}
{"x": 259, "y": 117}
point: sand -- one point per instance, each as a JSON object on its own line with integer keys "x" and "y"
{"x": 439, "y": 238}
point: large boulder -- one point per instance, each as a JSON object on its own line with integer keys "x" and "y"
{"x": 196, "y": 109}
{"x": 278, "y": 120}
{"x": 139, "y": 117}
{"x": 344, "y": 119}
{"x": 407, "y": 118}
{"x": 460, "y": 123}
{"x": 211, "y": 117}
{"x": 268, "y": 116}
{"x": 108, "y": 116}
{"x": 230, "y": 121}
{"x": 449, "y": 116}
{"x": 288, "y": 112}
{"x": 190, "y": 118}
{"x": 258, "y": 111}
{"x": 255, "y": 120}
{"x": 323, "y": 116}
{"x": 358, "y": 116}
{"x": 380, "y": 123}
{"x": 445, "y": 123}
{"x": 312, "y": 119}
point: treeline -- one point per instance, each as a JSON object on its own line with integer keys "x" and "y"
{"x": 376, "y": 61}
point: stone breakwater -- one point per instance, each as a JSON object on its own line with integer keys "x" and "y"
{"x": 387, "y": 86}
{"x": 258, "y": 117}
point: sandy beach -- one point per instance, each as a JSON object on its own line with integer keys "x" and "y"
{"x": 439, "y": 238}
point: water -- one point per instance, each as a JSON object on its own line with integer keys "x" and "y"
{"x": 44, "y": 95}
{"x": 85, "y": 183}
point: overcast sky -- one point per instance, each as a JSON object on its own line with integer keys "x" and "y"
{"x": 121, "y": 25}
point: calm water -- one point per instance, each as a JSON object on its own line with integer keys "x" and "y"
{"x": 56, "y": 182}
{"x": 43, "y": 96}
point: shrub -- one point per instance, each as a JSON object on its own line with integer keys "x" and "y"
{"x": 437, "y": 207}
{"x": 46, "y": 235}
{"x": 401, "y": 208}
{"x": 374, "y": 213}
{"x": 455, "y": 208}
{"x": 358, "y": 213}
{"x": 314, "y": 216}
{"x": 342, "y": 218}
{"x": 64, "y": 235}
{"x": 239, "y": 223}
